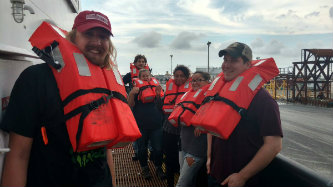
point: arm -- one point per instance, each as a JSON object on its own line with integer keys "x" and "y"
{"x": 131, "y": 95}
{"x": 209, "y": 151}
{"x": 109, "y": 158}
{"x": 127, "y": 78}
{"x": 16, "y": 162}
{"x": 271, "y": 147}
{"x": 158, "y": 99}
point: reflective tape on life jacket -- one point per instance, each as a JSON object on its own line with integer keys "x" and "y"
{"x": 135, "y": 70}
{"x": 146, "y": 89}
{"x": 94, "y": 99}
{"x": 173, "y": 93}
{"x": 226, "y": 102}
{"x": 187, "y": 107}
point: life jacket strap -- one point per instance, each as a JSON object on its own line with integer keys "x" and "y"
{"x": 81, "y": 92}
{"x": 145, "y": 87}
{"x": 174, "y": 100}
{"x": 191, "y": 102}
{"x": 242, "y": 111}
{"x": 46, "y": 54}
{"x": 84, "y": 110}
{"x": 186, "y": 108}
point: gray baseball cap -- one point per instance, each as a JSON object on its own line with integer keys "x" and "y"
{"x": 236, "y": 50}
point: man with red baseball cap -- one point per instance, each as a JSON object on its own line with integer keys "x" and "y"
{"x": 91, "y": 33}
{"x": 35, "y": 101}
{"x": 90, "y": 19}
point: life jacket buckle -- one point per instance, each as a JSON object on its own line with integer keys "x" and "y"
{"x": 93, "y": 105}
{"x": 242, "y": 112}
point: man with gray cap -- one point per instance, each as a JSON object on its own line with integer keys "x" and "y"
{"x": 37, "y": 159}
{"x": 256, "y": 140}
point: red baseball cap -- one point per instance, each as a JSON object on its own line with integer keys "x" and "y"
{"x": 86, "y": 20}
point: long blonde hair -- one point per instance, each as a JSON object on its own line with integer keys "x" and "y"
{"x": 112, "y": 52}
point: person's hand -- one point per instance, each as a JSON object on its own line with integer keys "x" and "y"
{"x": 135, "y": 90}
{"x": 208, "y": 165}
{"x": 158, "y": 90}
{"x": 197, "y": 132}
{"x": 234, "y": 180}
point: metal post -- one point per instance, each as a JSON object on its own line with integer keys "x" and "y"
{"x": 208, "y": 44}
{"x": 171, "y": 65}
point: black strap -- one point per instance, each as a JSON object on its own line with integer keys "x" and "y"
{"x": 174, "y": 100}
{"x": 216, "y": 97}
{"x": 80, "y": 92}
{"x": 86, "y": 109}
{"x": 145, "y": 87}
{"x": 178, "y": 93}
{"x": 46, "y": 56}
{"x": 178, "y": 119}
{"x": 190, "y": 102}
{"x": 95, "y": 104}
{"x": 181, "y": 104}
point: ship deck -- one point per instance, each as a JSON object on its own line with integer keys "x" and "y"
{"x": 128, "y": 172}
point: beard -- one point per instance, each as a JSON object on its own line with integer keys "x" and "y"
{"x": 96, "y": 58}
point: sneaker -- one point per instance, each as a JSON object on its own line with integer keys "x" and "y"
{"x": 146, "y": 173}
{"x": 160, "y": 174}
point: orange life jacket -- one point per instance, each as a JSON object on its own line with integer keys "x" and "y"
{"x": 135, "y": 70}
{"x": 187, "y": 106}
{"x": 227, "y": 102}
{"x": 173, "y": 93}
{"x": 94, "y": 99}
{"x": 147, "y": 89}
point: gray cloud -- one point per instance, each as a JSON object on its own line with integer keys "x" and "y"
{"x": 148, "y": 40}
{"x": 184, "y": 39}
{"x": 312, "y": 14}
{"x": 257, "y": 43}
{"x": 289, "y": 14}
{"x": 331, "y": 12}
{"x": 274, "y": 47}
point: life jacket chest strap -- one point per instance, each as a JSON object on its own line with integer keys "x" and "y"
{"x": 145, "y": 87}
{"x": 190, "y": 102}
{"x": 174, "y": 100}
{"x": 242, "y": 111}
{"x": 93, "y": 105}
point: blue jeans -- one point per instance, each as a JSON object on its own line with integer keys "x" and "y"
{"x": 188, "y": 173}
{"x": 155, "y": 138}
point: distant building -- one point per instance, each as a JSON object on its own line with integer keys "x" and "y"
{"x": 213, "y": 71}
{"x": 163, "y": 78}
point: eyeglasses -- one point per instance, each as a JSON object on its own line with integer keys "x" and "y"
{"x": 198, "y": 80}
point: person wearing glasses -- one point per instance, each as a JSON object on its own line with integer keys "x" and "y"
{"x": 193, "y": 142}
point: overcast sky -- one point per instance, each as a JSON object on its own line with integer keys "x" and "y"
{"x": 159, "y": 28}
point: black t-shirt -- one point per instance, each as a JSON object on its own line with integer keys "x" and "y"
{"x": 231, "y": 155}
{"x": 127, "y": 79}
{"x": 35, "y": 102}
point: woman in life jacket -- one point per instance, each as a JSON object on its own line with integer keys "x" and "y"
{"x": 171, "y": 140}
{"x": 140, "y": 62}
{"x": 149, "y": 117}
{"x": 193, "y": 142}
